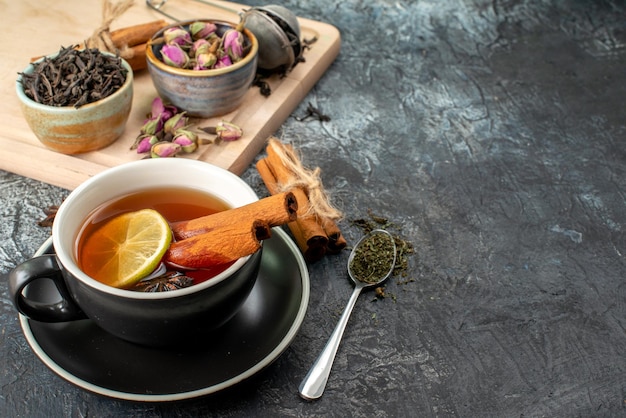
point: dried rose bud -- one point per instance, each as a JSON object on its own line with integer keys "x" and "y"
{"x": 164, "y": 149}
{"x": 178, "y": 121}
{"x": 205, "y": 61}
{"x": 152, "y": 125}
{"x": 233, "y": 44}
{"x": 187, "y": 140}
{"x": 160, "y": 109}
{"x": 177, "y": 35}
{"x": 223, "y": 61}
{"x": 228, "y": 131}
{"x": 158, "y": 106}
{"x": 174, "y": 55}
{"x": 202, "y": 30}
{"x": 201, "y": 46}
{"x": 145, "y": 143}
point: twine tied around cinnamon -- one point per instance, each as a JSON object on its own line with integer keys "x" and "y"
{"x": 308, "y": 180}
{"x": 101, "y": 37}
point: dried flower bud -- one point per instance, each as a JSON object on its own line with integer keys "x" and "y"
{"x": 202, "y": 30}
{"x": 201, "y": 46}
{"x": 223, "y": 61}
{"x": 152, "y": 125}
{"x": 205, "y": 61}
{"x": 174, "y": 55}
{"x": 178, "y": 121}
{"x": 228, "y": 131}
{"x": 164, "y": 149}
{"x": 187, "y": 140}
{"x": 158, "y": 106}
{"x": 145, "y": 143}
{"x": 160, "y": 109}
{"x": 233, "y": 44}
{"x": 176, "y": 35}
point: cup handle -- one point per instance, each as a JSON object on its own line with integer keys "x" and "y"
{"x": 37, "y": 268}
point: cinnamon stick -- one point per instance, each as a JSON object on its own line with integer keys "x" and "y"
{"x": 273, "y": 210}
{"x": 336, "y": 240}
{"x": 137, "y": 59}
{"x": 223, "y": 244}
{"x": 137, "y": 34}
{"x": 308, "y": 234}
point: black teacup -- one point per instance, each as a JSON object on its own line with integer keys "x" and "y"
{"x": 156, "y": 319}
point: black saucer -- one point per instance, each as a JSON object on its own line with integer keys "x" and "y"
{"x": 92, "y": 359}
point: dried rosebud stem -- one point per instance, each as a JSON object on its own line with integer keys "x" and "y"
{"x": 204, "y": 141}
{"x": 209, "y": 130}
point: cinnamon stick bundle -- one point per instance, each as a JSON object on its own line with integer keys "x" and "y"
{"x": 273, "y": 210}
{"x": 307, "y": 232}
{"x": 315, "y": 233}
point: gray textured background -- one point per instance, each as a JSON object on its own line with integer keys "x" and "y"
{"x": 491, "y": 133}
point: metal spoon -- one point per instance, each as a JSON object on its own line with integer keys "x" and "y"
{"x": 314, "y": 382}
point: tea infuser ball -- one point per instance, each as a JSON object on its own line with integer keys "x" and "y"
{"x": 278, "y": 32}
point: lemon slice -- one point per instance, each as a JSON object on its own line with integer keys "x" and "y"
{"x": 127, "y": 248}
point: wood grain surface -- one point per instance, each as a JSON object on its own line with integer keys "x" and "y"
{"x": 44, "y": 26}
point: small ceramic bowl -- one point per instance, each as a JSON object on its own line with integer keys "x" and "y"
{"x": 204, "y": 93}
{"x": 71, "y": 130}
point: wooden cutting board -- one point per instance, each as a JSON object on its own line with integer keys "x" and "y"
{"x": 41, "y": 27}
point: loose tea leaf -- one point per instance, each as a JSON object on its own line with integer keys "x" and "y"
{"x": 74, "y": 78}
{"x": 263, "y": 85}
{"x": 404, "y": 248}
{"x": 373, "y": 258}
{"x": 50, "y": 213}
{"x": 313, "y": 112}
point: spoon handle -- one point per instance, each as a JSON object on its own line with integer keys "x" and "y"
{"x": 314, "y": 382}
